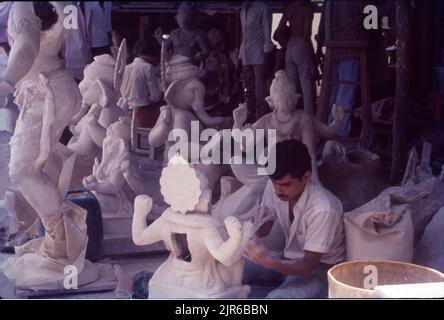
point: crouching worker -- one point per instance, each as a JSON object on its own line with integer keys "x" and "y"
{"x": 308, "y": 218}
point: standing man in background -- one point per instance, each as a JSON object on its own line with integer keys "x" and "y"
{"x": 140, "y": 87}
{"x": 98, "y": 26}
{"x": 299, "y": 55}
{"x": 256, "y": 42}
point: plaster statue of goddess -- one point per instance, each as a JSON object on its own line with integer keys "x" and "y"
{"x": 116, "y": 177}
{"x": 48, "y": 99}
{"x": 289, "y": 122}
{"x": 205, "y": 258}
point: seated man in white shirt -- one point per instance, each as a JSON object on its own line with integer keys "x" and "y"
{"x": 140, "y": 87}
{"x": 309, "y": 217}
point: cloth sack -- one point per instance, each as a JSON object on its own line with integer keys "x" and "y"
{"x": 382, "y": 229}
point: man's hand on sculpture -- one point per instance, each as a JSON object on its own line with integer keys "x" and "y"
{"x": 234, "y": 227}
{"x": 337, "y": 113}
{"x": 248, "y": 230}
{"x": 258, "y": 254}
{"x": 142, "y": 206}
{"x": 240, "y": 114}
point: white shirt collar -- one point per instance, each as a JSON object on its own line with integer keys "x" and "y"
{"x": 298, "y": 211}
{"x": 303, "y": 199}
{"x": 139, "y": 60}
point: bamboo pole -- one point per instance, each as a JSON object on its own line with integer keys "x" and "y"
{"x": 403, "y": 77}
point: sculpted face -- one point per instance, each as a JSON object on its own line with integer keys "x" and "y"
{"x": 186, "y": 16}
{"x": 90, "y": 91}
{"x": 119, "y": 129}
{"x": 283, "y": 103}
{"x": 182, "y": 93}
{"x": 283, "y": 97}
{"x": 101, "y": 69}
{"x": 184, "y": 21}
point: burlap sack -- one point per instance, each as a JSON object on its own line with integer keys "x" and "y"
{"x": 382, "y": 229}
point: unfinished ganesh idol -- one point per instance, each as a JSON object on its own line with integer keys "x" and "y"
{"x": 115, "y": 180}
{"x": 101, "y": 107}
{"x": 185, "y": 99}
{"x": 206, "y": 254}
{"x": 289, "y": 122}
{"x": 48, "y": 98}
{"x": 187, "y": 40}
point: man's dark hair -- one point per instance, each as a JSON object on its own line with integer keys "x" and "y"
{"x": 292, "y": 158}
{"x": 147, "y": 49}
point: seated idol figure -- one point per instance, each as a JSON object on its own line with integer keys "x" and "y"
{"x": 206, "y": 253}
{"x": 115, "y": 180}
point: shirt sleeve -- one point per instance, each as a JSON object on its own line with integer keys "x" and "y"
{"x": 321, "y": 230}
